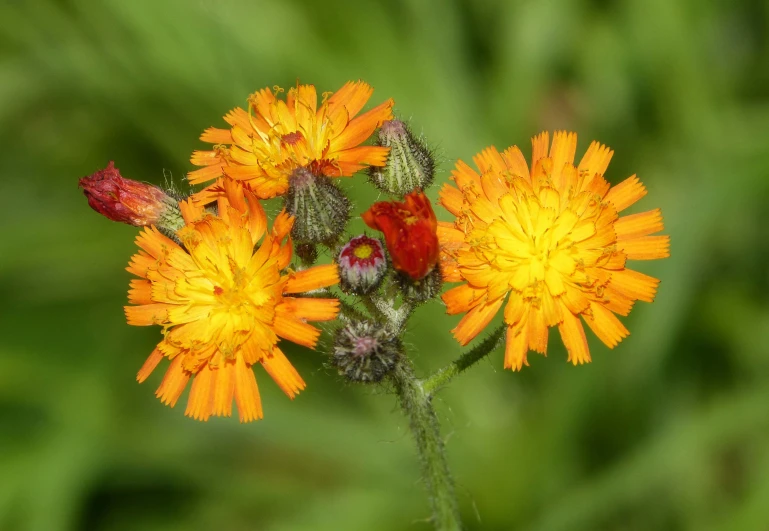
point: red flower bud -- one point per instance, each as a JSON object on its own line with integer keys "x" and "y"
{"x": 410, "y": 233}
{"x": 124, "y": 200}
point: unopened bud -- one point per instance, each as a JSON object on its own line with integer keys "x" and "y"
{"x": 365, "y": 352}
{"x": 320, "y": 208}
{"x": 410, "y": 231}
{"x": 362, "y": 265}
{"x": 422, "y": 290}
{"x": 132, "y": 202}
{"x": 409, "y": 165}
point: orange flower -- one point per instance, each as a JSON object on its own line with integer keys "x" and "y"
{"x": 409, "y": 231}
{"x": 266, "y": 144}
{"x": 223, "y": 305}
{"x": 553, "y": 240}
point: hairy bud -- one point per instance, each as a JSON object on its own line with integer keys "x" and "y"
{"x": 362, "y": 265}
{"x": 410, "y": 164}
{"x": 132, "y": 202}
{"x": 422, "y": 290}
{"x": 320, "y": 208}
{"x": 365, "y": 351}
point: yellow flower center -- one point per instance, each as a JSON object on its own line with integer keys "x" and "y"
{"x": 363, "y": 251}
{"x": 534, "y": 244}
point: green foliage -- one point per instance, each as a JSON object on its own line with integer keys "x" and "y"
{"x": 669, "y": 431}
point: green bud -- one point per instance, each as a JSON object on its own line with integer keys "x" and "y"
{"x": 410, "y": 164}
{"x": 320, "y": 208}
{"x": 365, "y": 352}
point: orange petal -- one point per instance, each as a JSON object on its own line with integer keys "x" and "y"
{"x": 200, "y": 403}
{"x": 246, "y": 392}
{"x": 316, "y": 277}
{"x": 282, "y": 225}
{"x": 149, "y": 365}
{"x": 462, "y": 298}
{"x": 562, "y": 152}
{"x": 516, "y": 347}
{"x": 309, "y": 308}
{"x": 146, "y": 314}
{"x": 351, "y": 98}
{"x": 296, "y": 331}
{"x": 516, "y": 162}
{"x": 475, "y": 321}
{"x": 174, "y": 382}
{"x": 537, "y": 330}
{"x": 646, "y": 247}
{"x": 285, "y": 375}
{"x": 626, "y": 193}
{"x": 573, "y": 336}
{"x": 451, "y": 199}
{"x": 239, "y": 117}
{"x": 140, "y": 291}
{"x": 539, "y": 145}
{"x": 466, "y": 177}
{"x": 617, "y": 302}
{"x": 206, "y": 158}
{"x": 595, "y": 161}
{"x": 360, "y": 128}
{"x": 193, "y": 209}
{"x": 641, "y": 224}
{"x": 366, "y": 155}
{"x": 215, "y": 135}
{"x": 140, "y": 263}
{"x": 257, "y": 218}
{"x": 224, "y": 388}
{"x": 605, "y": 325}
{"x": 634, "y": 285}
{"x": 155, "y": 243}
{"x": 205, "y": 174}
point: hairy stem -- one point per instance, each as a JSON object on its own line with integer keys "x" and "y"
{"x": 417, "y": 404}
{"x": 443, "y": 376}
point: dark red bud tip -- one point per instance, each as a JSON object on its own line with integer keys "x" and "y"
{"x": 124, "y": 200}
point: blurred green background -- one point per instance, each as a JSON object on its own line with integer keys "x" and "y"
{"x": 669, "y": 431}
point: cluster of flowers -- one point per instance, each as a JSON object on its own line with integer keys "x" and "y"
{"x": 225, "y": 288}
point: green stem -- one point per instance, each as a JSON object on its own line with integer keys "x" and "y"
{"x": 417, "y": 404}
{"x": 350, "y": 312}
{"x": 440, "y": 378}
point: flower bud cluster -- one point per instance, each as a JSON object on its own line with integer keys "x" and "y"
{"x": 365, "y": 351}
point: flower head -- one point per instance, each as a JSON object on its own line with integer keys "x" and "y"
{"x": 362, "y": 264}
{"x": 551, "y": 238}
{"x": 224, "y": 303}
{"x": 265, "y": 144}
{"x": 409, "y": 229}
{"x": 124, "y": 200}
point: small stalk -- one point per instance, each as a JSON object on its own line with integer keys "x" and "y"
{"x": 443, "y": 376}
{"x": 417, "y": 405}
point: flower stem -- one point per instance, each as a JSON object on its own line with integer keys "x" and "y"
{"x": 417, "y": 404}
{"x": 433, "y": 383}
